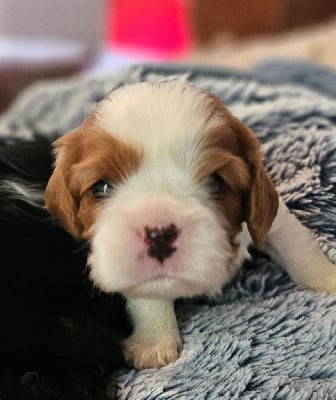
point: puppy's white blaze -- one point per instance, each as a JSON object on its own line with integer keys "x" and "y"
{"x": 165, "y": 120}
{"x": 202, "y": 263}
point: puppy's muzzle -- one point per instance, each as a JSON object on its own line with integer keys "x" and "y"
{"x": 160, "y": 241}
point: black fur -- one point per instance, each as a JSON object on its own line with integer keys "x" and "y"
{"x": 59, "y": 339}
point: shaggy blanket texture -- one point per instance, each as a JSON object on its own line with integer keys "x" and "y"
{"x": 263, "y": 338}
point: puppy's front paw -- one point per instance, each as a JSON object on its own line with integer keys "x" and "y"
{"x": 143, "y": 354}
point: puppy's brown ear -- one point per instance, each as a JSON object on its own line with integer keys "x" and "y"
{"x": 262, "y": 199}
{"x": 59, "y": 200}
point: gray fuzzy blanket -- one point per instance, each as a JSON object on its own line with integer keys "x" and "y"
{"x": 263, "y": 338}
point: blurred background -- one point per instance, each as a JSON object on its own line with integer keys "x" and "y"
{"x": 49, "y": 39}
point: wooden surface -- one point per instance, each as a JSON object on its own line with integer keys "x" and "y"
{"x": 245, "y": 18}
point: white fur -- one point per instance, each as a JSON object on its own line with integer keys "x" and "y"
{"x": 203, "y": 261}
{"x": 293, "y": 246}
{"x": 34, "y": 196}
{"x": 168, "y": 120}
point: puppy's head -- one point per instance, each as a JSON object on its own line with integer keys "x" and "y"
{"x": 160, "y": 179}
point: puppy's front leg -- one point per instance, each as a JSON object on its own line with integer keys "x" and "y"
{"x": 293, "y": 246}
{"x": 156, "y": 340}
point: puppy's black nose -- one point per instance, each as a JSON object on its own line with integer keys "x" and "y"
{"x": 160, "y": 241}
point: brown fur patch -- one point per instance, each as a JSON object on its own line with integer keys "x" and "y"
{"x": 217, "y": 158}
{"x": 84, "y": 157}
{"x": 233, "y": 151}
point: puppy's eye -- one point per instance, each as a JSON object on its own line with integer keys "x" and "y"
{"x": 100, "y": 189}
{"x": 216, "y": 184}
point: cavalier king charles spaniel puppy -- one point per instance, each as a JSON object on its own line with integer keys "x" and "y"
{"x": 167, "y": 189}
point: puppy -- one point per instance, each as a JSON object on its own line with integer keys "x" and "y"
{"x": 168, "y": 188}
{"x": 59, "y": 338}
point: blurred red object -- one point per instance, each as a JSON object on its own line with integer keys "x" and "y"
{"x": 156, "y": 28}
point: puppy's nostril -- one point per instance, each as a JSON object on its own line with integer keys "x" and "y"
{"x": 167, "y": 234}
{"x": 160, "y": 241}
